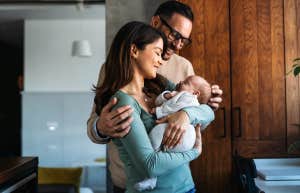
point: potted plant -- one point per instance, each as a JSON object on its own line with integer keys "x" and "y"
{"x": 296, "y": 70}
{"x": 296, "y": 67}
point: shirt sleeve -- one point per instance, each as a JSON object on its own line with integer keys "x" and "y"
{"x": 91, "y": 123}
{"x": 202, "y": 114}
{"x": 160, "y": 99}
{"x": 138, "y": 146}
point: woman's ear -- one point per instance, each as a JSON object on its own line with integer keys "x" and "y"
{"x": 155, "y": 20}
{"x": 134, "y": 51}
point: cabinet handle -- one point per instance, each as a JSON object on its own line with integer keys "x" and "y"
{"x": 238, "y": 109}
{"x": 225, "y": 125}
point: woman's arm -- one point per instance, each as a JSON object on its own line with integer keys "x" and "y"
{"x": 139, "y": 148}
{"x": 201, "y": 114}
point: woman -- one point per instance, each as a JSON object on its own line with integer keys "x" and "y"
{"x": 130, "y": 75}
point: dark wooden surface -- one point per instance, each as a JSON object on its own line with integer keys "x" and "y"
{"x": 13, "y": 169}
{"x": 14, "y": 166}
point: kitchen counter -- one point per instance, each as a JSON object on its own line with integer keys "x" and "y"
{"x": 18, "y": 174}
{"x": 278, "y": 175}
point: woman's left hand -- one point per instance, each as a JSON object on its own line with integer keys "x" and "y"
{"x": 216, "y": 99}
{"x": 174, "y": 132}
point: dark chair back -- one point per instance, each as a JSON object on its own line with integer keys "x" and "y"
{"x": 245, "y": 173}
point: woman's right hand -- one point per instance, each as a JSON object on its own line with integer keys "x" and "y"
{"x": 114, "y": 123}
{"x": 198, "y": 142}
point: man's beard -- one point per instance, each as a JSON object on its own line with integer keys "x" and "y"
{"x": 172, "y": 50}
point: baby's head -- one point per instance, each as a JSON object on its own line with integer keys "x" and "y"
{"x": 197, "y": 86}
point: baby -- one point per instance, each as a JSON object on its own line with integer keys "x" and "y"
{"x": 193, "y": 91}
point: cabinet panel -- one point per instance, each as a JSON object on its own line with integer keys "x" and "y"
{"x": 258, "y": 97}
{"x": 292, "y": 50}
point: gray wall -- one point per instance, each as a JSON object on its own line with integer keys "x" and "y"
{"x": 52, "y": 68}
{"x": 119, "y": 12}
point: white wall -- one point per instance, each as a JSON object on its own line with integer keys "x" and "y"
{"x": 49, "y": 65}
{"x": 57, "y": 97}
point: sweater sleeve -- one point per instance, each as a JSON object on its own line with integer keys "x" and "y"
{"x": 91, "y": 122}
{"x": 201, "y": 114}
{"x": 138, "y": 146}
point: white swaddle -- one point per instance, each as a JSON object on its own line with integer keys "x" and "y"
{"x": 157, "y": 133}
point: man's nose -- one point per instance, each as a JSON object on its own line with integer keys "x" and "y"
{"x": 177, "y": 44}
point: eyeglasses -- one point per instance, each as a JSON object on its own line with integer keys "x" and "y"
{"x": 175, "y": 35}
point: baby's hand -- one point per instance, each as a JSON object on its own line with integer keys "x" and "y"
{"x": 153, "y": 110}
{"x": 169, "y": 95}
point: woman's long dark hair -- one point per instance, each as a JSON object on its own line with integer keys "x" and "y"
{"x": 118, "y": 68}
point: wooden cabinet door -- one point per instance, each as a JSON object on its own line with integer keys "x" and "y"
{"x": 258, "y": 78}
{"x": 209, "y": 54}
{"x": 292, "y": 51}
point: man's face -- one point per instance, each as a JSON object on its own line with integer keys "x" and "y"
{"x": 177, "y": 23}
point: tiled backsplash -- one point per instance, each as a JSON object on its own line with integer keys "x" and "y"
{"x": 54, "y": 129}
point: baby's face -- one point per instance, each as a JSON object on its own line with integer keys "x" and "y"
{"x": 190, "y": 84}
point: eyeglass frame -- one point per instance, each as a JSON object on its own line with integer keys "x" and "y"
{"x": 177, "y": 35}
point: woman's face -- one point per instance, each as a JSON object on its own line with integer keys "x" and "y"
{"x": 149, "y": 59}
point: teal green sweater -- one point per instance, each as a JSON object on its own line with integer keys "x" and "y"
{"x": 142, "y": 161}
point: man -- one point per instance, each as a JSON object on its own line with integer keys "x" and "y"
{"x": 174, "y": 19}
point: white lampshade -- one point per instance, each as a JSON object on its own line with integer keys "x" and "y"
{"x": 81, "y": 48}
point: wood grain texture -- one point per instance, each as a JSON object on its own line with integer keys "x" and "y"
{"x": 278, "y": 72}
{"x": 292, "y": 50}
{"x": 257, "y": 55}
{"x": 259, "y": 44}
{"x": 249, "y": 104}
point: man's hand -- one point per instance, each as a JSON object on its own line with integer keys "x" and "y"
{"x": 216, "y": 99}
{"x": 198, "y": 142}
{"x": 174, "y": 132}
{"x": 116, "y": 123}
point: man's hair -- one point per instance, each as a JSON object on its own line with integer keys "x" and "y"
{"x": 168, "y": 8}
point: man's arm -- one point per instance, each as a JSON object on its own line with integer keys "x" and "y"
{"x": 110, "y": 123}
